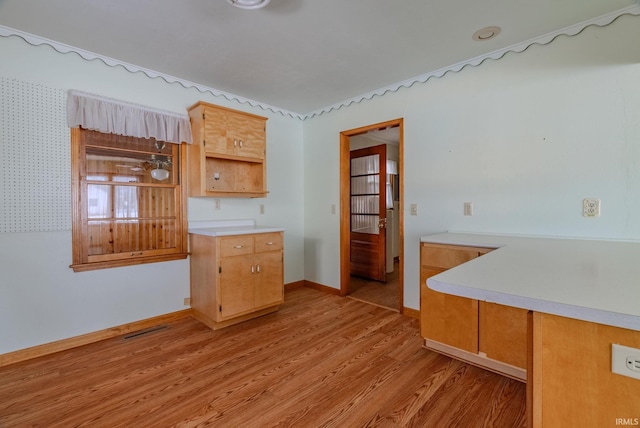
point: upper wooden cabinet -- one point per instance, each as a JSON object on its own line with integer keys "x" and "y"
{"x": 228, "y": 154}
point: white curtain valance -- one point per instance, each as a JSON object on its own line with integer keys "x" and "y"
{"x": 122, "y": 118}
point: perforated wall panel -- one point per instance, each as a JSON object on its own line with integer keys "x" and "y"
{"x": 35, "y": 158}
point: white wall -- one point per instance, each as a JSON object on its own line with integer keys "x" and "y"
{"x": 525, "y": 138}
{"x": 41, "y": 298}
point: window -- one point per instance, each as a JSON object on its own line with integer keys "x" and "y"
{"x": 128, "y": 201}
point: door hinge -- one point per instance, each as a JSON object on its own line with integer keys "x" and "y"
{"x": 220, "y": 308}
{"x": 202, "y": 116}
{"x": 204, "y": 143}
{"x": 219, "y": 269}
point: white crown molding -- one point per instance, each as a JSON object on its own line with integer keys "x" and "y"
{"x": 112, "y": 62}
{"x": 572, "y": 30}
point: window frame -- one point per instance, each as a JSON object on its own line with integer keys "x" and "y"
{"x": 79, "y": 207}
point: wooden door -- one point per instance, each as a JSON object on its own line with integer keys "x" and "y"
{"x": 368, "y": 212}
{"x": 248, "y": 136}
{"x": 217, "y": 140}
{"x": 268, "y": 279}
{"x": 235, "y": 286}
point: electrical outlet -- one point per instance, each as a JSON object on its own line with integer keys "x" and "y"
{"x": 414, "y": 209}
{"x": 591, "y": 207}
{"x": 468, "y": 208}
{"x": 216, "y": 204}
{"x": 333, "y": 208}
{"x": 261, "y": 208}
{"x": 187, "y": 301}
{"x": 625, "y": 361}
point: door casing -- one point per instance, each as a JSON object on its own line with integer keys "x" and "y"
{"x": 345, "y": 211}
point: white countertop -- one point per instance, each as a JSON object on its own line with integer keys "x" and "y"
{"x": 590, "y": 280}
{"x": 229, "y": 227}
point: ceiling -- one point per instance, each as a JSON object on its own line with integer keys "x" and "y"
{"x": 299, "y": 56}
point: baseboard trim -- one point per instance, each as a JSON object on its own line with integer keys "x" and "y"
{"x": 85, "y": 339}
{"x": 411, "y": 313}
{"x": 320, "y": 287}
{"x": 293, "y": 285}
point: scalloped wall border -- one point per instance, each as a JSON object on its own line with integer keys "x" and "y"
{"x": 601, "y": 21}
{"x": 573, "y": 30}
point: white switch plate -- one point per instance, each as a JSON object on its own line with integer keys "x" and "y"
{"x": 468, "y": 208}
{"x": 261, "y": 208}
{"x": 333, "y": 208}
{"x": 414, "y": 209}
{"x": 591, "y": 207}
{"x": 625, "y": 361}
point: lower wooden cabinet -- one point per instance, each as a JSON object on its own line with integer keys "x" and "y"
{"x": 570, "y": 378}
{"x": 235, "y": 278}
{"x": 485, "y": 334}
{"x": 448, "y": 319}
{"x": 503, "y": 333}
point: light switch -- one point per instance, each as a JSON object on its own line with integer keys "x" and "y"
{"x": 414, "y": 209}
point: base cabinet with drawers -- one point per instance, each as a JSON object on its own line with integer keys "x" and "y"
{"x": 236, "y": 277}
{"x": 485, "y": 334}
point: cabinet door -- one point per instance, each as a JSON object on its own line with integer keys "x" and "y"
{"x": 448, "y": 319}
{"x": 445, "y": 318}
{"x": 503, "y": 333}
{"x": 247, "y": 135}
{"x": 269, "y": 279}
{"x": 235, "y": 286}
{"x": 217, "y": 133}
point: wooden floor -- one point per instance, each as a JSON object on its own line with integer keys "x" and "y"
{"x": 321, "y": 361}
{"x": 383, "y": 294}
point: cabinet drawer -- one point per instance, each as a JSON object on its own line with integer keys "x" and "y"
{"x": 236, "y": 245}
{"x": 268, "y": 242}
{"x": 446, "y": 257}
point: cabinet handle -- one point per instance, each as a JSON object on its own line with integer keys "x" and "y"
{"x": 269, "y": 243}
{"x": 240, "y": 143}
{"x": 235, "y": 143}
{"x": 253, "y": 269}
{"x": 139, "y": 253}
{"x": 258, "y": 268}
{"x": 237, "y": 246}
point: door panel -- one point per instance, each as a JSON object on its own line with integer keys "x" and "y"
{"x": 268, "y": 279}
{"x": 236, "y": 286}
{"x": 368, "y": 212}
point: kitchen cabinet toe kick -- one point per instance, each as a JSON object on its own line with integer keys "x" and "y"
{"x": 480, "y": 359}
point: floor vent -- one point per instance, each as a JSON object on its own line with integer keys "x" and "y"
{"x": 139, "y": 333}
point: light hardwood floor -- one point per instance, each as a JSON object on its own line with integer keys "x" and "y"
{"x": 321, "y": 361}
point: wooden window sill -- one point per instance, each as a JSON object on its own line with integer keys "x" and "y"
{"x": 83, "y": 267}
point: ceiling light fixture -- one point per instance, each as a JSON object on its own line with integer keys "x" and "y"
{"x": 486, "y": 33}
{"x": 249, "y": 4}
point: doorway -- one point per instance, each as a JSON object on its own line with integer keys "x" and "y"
{"x": 354, "y": 245}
